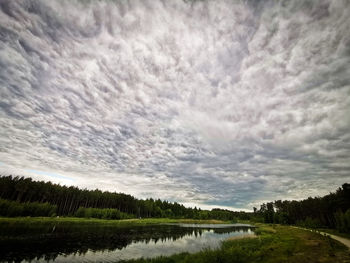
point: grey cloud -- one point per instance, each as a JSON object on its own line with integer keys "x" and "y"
{"x": 204, "y": 102}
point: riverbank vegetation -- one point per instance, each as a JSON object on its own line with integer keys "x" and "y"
{"x": 274, "y": 244}
{"x": 104, "y": 213}
{"x": 50, "y": 222}
{"x": 16, "y": 209}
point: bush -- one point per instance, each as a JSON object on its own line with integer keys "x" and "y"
{"x": 106, "y": 213}
{"x": 310, "y": 223}
{"x": 342, "y": 221}
{"x": 13, "y": 209}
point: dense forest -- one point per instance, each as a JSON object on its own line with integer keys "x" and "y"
{"x": 72, "y": 201}
{"x": 329, "y": 211}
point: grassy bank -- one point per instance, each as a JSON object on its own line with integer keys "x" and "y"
{"x": 274, "y": 244}
{"x": 20, "y": 221}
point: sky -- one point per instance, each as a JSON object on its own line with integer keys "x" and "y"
{"x": 208, "y": 103}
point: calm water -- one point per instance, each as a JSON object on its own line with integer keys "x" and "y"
{"x": 112, "y": 244}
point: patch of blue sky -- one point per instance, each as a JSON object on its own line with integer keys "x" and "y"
{"x": 49, "y": 174}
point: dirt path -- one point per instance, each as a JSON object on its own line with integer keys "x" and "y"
{"x": 342, "y": 240}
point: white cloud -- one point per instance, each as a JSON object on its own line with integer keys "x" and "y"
{"x": 208, "y": 102}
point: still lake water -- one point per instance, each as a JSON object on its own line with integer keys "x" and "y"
{"x": 113, "y": 244}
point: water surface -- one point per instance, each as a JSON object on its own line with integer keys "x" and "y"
{"x": 110, "y": 243}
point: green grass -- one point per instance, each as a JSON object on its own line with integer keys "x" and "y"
{"x": 18, "y": 221}
{"x": 274, "y": 244}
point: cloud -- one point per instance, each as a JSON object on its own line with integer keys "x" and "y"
{"x": 222, "y": 103}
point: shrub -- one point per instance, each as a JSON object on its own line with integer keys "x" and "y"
{"x": 106, "y": 213}
{"x": 342, "y": 221}
{"x": 13, "y": 209}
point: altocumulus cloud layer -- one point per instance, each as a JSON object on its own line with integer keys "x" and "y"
{"x": 210, "y": 103}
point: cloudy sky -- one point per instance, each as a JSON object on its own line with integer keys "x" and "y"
{"x": 208, "y": 103}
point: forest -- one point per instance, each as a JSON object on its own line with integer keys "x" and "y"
{"x": 20, "y": 196}
{"x": 329, "y": 211}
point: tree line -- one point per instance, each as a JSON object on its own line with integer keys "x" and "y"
{"x": 72, "y": 201}
{"x": 329, "y": 211}
{"x": 21, "y": 196}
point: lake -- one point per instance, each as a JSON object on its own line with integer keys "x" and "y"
{"x": 111, "y": 243}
